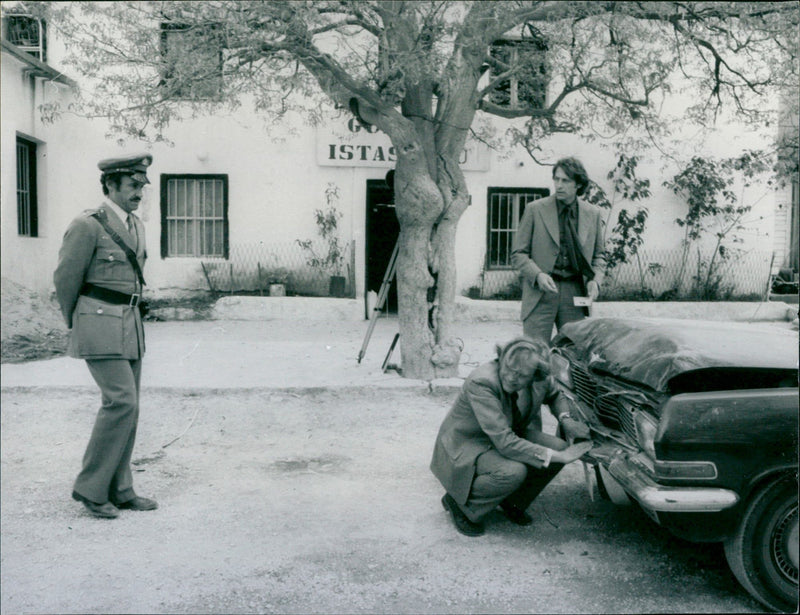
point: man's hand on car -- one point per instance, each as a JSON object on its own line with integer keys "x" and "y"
{"x": 571, "y": 453}
{"x": 574, "y": 430}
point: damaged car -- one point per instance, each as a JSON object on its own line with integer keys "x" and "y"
{"x": 697, "y": 423}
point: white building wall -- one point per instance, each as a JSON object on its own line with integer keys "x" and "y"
{"x": 276, "y": 183}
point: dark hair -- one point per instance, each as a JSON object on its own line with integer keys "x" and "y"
{"x": 115, "y": 179}
{"x": 573, "y": 168}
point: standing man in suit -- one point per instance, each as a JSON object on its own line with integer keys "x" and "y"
{"x": 559, "y": 252}
{"x": 99, "y": 283}
{"x": 491, "y": 449}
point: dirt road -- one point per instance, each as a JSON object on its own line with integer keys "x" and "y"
{"x": 312, "y": 501}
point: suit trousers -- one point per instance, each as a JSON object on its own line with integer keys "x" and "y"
{"x": 498, "y": 479}
{"x": 554, "y": 308}
{"x": 106, "y": 473}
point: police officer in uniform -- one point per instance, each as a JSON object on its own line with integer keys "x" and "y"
{"x": 99, "y": 283}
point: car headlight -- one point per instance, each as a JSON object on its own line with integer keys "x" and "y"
{"x": 560, "y": 369}
{"x": 646, "y": 428}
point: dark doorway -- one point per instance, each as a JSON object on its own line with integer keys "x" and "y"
{"x": 382, "y": 231}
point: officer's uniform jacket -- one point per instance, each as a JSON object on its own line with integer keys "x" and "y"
{"x": 536, "y": 245}
{"x": 100, "y": 330}
{"x": 481, "y": 418}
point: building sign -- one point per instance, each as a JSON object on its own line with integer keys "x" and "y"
{"x": 346, "y": 143}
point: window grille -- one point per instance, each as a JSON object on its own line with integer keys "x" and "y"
{"x": 27, "y": 206}
{"x": 194, "y": 216}
{"x": 505, "y": 208}
{"x": 27, "y": 33}
{"x": 526, "y": 56}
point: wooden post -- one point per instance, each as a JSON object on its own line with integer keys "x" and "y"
{"x": 260, "y": 284}
{"x": 208, "y": 279}
{"x": 351, "y": 274}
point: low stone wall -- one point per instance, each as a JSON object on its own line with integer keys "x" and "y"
{"x": 472, "y": 310}
{"x": 481, "y": 311}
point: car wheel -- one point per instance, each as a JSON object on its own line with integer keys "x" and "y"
{"x": 763, "y": 554}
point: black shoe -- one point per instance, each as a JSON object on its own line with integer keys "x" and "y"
{"x": 138, "y": 503}
{"x": 515, "y": 514}
{"x": 101, "y": 511}
{"x": 461, "y": 521}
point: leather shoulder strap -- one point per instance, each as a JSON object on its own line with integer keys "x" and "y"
{"x": 102, "y": 218}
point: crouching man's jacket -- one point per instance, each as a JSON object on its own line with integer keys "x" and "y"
{"x": 482, "y": 418}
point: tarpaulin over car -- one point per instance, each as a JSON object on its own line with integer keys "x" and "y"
{"x": 653, "y": 351}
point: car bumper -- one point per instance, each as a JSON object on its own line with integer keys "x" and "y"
{"x": 629, "y": 470}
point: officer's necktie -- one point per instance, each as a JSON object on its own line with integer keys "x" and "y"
{"x": 132, "y": 231}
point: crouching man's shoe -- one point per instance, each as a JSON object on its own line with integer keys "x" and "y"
{"x": 461, "y": 521}
{"x": 515, "y": 514}
{"x": 138, "y": 503}
{"x": 101, "y": 511}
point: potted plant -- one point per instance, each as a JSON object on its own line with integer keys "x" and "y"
{"x": 332, "y": 258}
{"x": 277, "y": 280}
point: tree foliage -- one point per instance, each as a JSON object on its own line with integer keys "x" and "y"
{"x": 427, "y": 74}
{"x": 714, "y": 211}
{"x": 332, "y": 258}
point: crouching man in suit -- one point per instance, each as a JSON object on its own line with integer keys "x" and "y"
{"x": 99, "y": 283}
{"x": 491, "y": 449}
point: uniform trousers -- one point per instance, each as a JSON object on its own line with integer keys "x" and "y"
{"x": 554, "y": 308}
{"x": 106, "y": 473}
{"x": 500, "y": 479}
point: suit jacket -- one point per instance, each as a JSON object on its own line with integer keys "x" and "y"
{"x": 100, "y": 330}
{"x": 481, "y": 419}
{"x": 536, "y": 245}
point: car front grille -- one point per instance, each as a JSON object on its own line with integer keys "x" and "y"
{"x": 613, "y": 406}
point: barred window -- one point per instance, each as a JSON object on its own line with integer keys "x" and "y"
{"x": 26, "y": 32}
{"x": 194, "y": 216}
{"x": 27, "y": 206}
{"x": 526, "y": 57}
{"x": 505, "y": 208}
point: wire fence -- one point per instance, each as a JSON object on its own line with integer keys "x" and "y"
{"x": 666, "y": 274}
{"x": 260, "y": 268}
{"x": 275, "y": 268}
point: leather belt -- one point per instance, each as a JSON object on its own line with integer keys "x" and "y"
{"x": 565, "y": 278}
{"x": 110, "y": 296}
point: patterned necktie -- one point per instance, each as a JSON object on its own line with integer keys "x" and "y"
{"x": 567, "y": 215}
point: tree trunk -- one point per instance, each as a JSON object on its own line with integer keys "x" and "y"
{"x": 447, "y": 348}
{"x": 418, "y": 203}
{"x": 426, "y": 274}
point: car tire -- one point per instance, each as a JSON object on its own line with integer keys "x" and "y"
{"x": 763, "y": 552}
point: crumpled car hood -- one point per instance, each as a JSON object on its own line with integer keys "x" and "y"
{"x": 653, "y": 351}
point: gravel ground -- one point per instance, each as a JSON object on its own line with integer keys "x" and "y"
{"x": 293, "y": 480}
{"x": 312, "y": 501}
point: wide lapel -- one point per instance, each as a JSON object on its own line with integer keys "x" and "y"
{"x": 550, "y": 217}
{"x": 584, "y": 226}
{"x": 536, "y": 393}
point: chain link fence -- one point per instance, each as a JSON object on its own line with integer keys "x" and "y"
{"x": 667, "y": 274}
{"x": 258, "y": 268}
